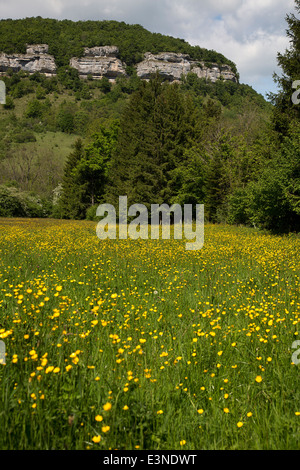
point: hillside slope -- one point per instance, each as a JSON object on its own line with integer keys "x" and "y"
{"x": 44, "y": 116}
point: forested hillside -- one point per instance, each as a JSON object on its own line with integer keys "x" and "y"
{"x": 67, "y": 39}
{"x": 68, "y": 144}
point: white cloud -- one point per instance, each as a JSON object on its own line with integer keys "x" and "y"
{"x": 249, "y": 32}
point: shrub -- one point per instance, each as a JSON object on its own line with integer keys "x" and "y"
{"x": 23, "y": 136}
{"x": 91, "y": 213}
{"x": 238, "y": 212}
{"x": 9, "y": 103}
{"x": 10, "y": 204}
{"x": 16, "y": 203}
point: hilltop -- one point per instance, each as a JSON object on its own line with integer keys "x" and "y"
{"x": 67, "y": 39}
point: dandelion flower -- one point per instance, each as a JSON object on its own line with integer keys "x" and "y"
{"x": 107, "y": 406}
{"x": 258, "y": 379}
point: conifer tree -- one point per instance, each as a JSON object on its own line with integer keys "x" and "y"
{"x": 289, "y": 62}
{"x": 71, "y": 203}
{"x": 158, "y": 125}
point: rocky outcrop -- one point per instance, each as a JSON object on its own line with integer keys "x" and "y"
{"x": 169, "y": 65}
{"x": 99, "y": 62}
{"x": 214, "y": 72}
{"x": 36, "y": 59}
{"x": 173, "y": 65}
{"x": 103, "y": 61}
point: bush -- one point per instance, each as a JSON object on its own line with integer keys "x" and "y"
{"x": 65, "y": 121}
{"x": 16, "y": 203}
{"x": 9, "y": 103}
{"x": 91, "y": 213}
{"x": 268, "y": 205}
{"x": 69, "y": 78}
{"x": 10, "y": 204}
{"x": 104, "y": 85}
{"x": 23, "y": 136}
{"x": 238, "y": 212}
{"x": 36, "y": 109}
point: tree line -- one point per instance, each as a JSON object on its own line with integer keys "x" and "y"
{"x": 166, "y": 148}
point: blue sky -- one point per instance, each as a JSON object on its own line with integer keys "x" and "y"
{"x": 248, "y": 32}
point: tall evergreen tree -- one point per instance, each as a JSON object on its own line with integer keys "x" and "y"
{"x": 158, "y": 125}
{"x": 289, "y": 62}
{"x": 71, "y": 203}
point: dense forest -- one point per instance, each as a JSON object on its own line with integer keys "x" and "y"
{"x": 68, "y": 144}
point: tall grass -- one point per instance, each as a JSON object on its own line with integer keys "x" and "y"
{"x": 140, "y": 344}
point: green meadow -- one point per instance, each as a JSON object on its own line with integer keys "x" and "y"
{"x": 141, "y": 344}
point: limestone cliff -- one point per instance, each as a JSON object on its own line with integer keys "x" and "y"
{"x": 99, "y": 62}
{"x": 36, "y": 59}
{"x": 104, "y": 61}
{"x": 173, "y": 65}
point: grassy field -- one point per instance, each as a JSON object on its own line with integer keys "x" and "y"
{"x": 132, "y": 344}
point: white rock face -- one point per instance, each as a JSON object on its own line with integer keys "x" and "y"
{"x": 37, "y": 49}
{"x": 99, "y": 62}
{"x": 169, "y": 65}
{"x": 36, "y": 59}
{"x": 103, "y": 61}
{"x": 172, "y": 66}
{"x": 101, "y": 51}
